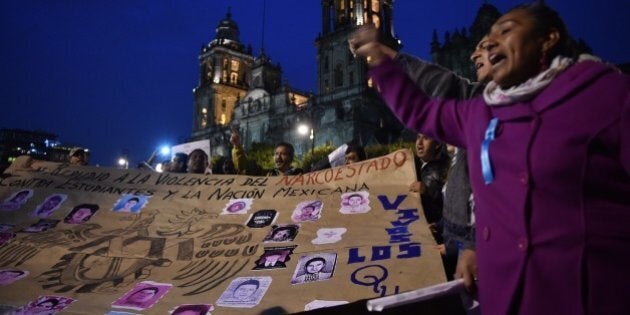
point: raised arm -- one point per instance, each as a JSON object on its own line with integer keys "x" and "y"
{"x": 438, "y": 118}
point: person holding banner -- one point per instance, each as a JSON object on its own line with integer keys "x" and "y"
{"x": 198, "y": 162}
{"x": 283, "y": 159}
{"x": 547, "y": 168}
{"x": 179, "y": 163}
{"x": 78, "y": 157}
{"x": 354, "y": 153}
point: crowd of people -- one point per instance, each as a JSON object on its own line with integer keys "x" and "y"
{"x": 530, "y": 210}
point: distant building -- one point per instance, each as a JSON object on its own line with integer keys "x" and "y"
{"x": 40, "y": 145}
{"x": 455, "y": 50}
{"x": 239, "y": 90}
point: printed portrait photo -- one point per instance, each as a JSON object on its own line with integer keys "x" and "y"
{"x": 49, "y": 205}
{"x": 130, "y": 203}
{"x": 46, "y": 304}
{"x": 307, "y": 211}
{"x": 237, "y": 206}
{"x": 192, "y": 309}
{"x": 4, "y": 227}
{"x": 355, "y": 202}
{"x": 8, "y": 276}
{"x": 5, "y": 237}
{"x": 328, "y": 235}
{"x": 274, "y": 257}
{"x": 143, "y": 296}
{"x": 15, "y": 201}
{"x": 282, "y": 233}
{"x": 262, "y": 218}
{"x": 41, "y": 226}
{"x": 316, "y": 267}
{"x": 81, "y": 213}
{"x": 244, "y": 292}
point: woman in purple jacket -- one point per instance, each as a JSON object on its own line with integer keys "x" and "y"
{"x": 549, "y": 161}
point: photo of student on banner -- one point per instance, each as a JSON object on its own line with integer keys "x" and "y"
{"x": 245, "y": 292}
{"x": 46, "y": 305}
{"x": 81, "y": 214}
{"x": 282, "y": 233}
{"x": 15, "y": 201}
{"x": 40, "y": 226}
{"x": 130, "y": 203}
{"x": 50, "y": 205}
{"x": 143, "y": 296}
{"x": 355, "y": 202}
{"x": 193, "y": 309}
{"x": 274, "y": 257}
{"x": 311, "y": 268}
{"x": 8, "y": 276}
{"x": 307, "y": 211}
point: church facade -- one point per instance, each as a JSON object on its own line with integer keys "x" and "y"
{"x": 240, "y": 91}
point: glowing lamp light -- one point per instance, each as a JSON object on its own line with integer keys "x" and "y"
{"x": 165, "y": 150}
{"x": 303, "y": 129}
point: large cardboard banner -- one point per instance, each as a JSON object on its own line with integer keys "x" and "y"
{"x": 90, "y": 240}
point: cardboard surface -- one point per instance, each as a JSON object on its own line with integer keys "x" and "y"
{"x": 184, "y": 233}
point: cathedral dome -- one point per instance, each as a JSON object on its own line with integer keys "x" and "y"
{"x": 227, "y": 34}
{"x": 227, "y": 29}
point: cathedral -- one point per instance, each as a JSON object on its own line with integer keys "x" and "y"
{"x": 240, "y": 91}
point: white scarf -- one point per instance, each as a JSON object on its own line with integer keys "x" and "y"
{"x": 496, "y": 96}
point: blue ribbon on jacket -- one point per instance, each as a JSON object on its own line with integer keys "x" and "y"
{"x": 486, "y": 166}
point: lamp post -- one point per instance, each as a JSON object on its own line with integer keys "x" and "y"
{"x": 123, "y": 162}
{"x": 312, "y": 141}
{"x": 304, "y": 129}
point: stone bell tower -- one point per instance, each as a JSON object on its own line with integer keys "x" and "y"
{"x": 346, "y": 107}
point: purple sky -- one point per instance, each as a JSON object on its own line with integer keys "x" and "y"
{"x": 118, "y": 75}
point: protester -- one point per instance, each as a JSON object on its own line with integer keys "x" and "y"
{"x": 432, "y": 166}
{"x": 457, "y": 213}
{"x": 228, "y": 167}
{"x": 179, "y": 163}
{"x": 283, "y": 159}
{"x": 78, "y": 156}
{"x": 198, "y": 162}
{"x": 544, "y": 163}
{"x": 354, "y": 153}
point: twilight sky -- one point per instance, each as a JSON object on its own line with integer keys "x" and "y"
{"x": 118, "y": 74}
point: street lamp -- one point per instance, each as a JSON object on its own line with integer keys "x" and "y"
{"x": 165, "y": 150}
{"x": 304, "y": 129}
{"x": 123, "y": 162}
